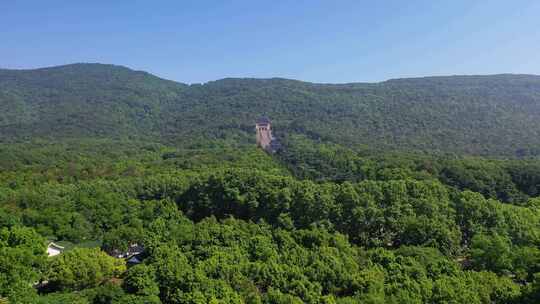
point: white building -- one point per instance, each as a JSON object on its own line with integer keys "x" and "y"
{"x": 53, "y": 249}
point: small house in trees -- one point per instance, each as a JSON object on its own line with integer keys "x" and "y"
{"x": 54, "y": 249}
{"x": 135, "y": 259}
{"x": 132, "y": 250}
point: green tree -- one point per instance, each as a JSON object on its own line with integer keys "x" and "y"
{"x": 82, "y": 268}
{"x": 141, "y": 280}
{"x": 22, "y": 257}
{"x": 491, "y": 252}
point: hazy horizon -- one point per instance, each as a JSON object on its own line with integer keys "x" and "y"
{"x": 271, "y": 77}
{"x": 321, "y": 42}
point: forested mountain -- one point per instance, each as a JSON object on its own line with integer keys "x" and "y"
{"x": 481, "y": 115}
{"x": 81, "y": 100}
{"x": 395, "y": 192}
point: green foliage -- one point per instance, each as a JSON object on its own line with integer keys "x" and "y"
{"x": 22, "y": 257}
{"x": 235, "y": 225}
{"x": 82, "y": 268}
{"x": 491, "y": 252}
{"x": 141, "y": 280}
{"x": 481, "y": 115}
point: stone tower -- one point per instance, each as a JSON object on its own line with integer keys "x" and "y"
{"x": 264, "y": 132}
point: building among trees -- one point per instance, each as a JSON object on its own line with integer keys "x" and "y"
{"x": 54, "y": 249}
{"x": 265, "y": 139}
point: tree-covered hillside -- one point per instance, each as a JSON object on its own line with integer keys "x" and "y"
{"x": 81, "y": 100}
{"x": 319, "y": 224}
{"x": 481, "y": 115}
{"x": 101, "y": 159}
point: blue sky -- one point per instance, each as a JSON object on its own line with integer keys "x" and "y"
{"x": 320, "y": 41}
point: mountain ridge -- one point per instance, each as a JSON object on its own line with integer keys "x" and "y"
{"x": 267, "y": 78}
{"x": 492, "y": 115}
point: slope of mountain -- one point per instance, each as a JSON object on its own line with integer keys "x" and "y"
{"x": 484, "y": 115}
{"x": 94, "y": 158}
{"x": 81, "y": 100}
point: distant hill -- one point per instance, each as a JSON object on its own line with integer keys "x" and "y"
{"x": 495, "y": 115}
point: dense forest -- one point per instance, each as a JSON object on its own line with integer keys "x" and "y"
{"x": 407, "y": 191}
{"x": 314, "y": 223}
{"x": 477, "y": 115}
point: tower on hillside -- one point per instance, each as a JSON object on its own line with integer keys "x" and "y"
{"x": 265, "y": 140}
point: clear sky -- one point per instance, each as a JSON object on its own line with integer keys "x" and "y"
{"x": 320, "y": 41}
